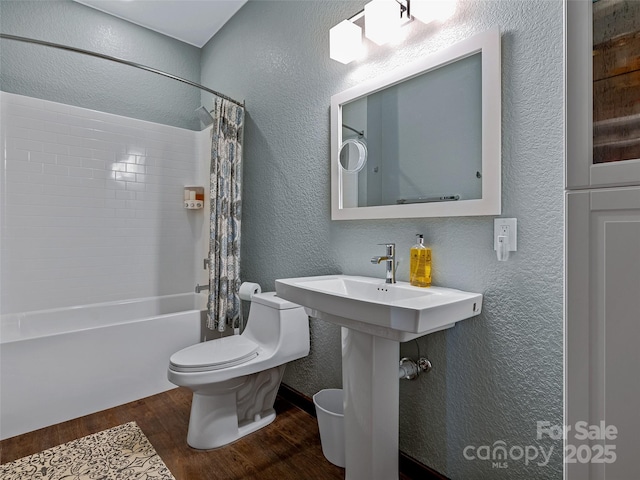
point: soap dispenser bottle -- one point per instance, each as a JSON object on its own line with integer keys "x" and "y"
{"x": 420, "y": 265}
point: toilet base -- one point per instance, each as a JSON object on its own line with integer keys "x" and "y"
{"x": 203, "y": 439}
{"x": 226, "y": 412}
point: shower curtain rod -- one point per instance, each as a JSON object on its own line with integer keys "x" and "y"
{"x": 119, "y": 60}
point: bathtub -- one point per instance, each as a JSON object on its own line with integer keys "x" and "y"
{"x": 60, "y": 364}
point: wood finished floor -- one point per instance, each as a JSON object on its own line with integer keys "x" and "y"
{"x": 289, "y": 448}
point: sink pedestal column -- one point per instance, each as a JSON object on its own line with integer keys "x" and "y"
{"x": 371, "y": 405}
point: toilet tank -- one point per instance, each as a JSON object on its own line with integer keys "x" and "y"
{"x": 276, "y": 323}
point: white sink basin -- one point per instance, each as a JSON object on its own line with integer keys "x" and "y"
{"x": 377, "y": 316}
{"x": 397, "y": 311}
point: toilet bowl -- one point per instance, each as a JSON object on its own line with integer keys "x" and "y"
{"x": 235, "y": 379}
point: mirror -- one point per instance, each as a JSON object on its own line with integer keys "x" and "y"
{"x": 423, "y": 140}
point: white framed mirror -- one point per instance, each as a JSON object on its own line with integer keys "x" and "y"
{"x": 423, "y": 140}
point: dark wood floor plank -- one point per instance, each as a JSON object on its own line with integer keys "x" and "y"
{"x": 288, "y": 449}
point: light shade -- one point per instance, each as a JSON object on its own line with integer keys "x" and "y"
{"x": 345, "y": 42}
{"x": 382, "y": 20}
{"x": 429, "y": 10}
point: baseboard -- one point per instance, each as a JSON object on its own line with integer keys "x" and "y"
{"x": 413, "y": 469}
{"x": 297, "y": 398}
{"x": 409, "y": 466}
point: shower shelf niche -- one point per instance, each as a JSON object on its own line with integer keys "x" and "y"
{"x": 193, "y": 197}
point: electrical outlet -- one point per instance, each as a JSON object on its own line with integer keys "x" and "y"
{"x": 507, "y": 227}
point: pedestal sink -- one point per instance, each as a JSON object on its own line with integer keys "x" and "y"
{"x": 375, "y": 317}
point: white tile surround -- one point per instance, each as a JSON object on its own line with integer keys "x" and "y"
{"x": 91, "y": 206}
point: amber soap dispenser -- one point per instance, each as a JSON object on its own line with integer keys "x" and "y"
{"x": 420, "y": 265}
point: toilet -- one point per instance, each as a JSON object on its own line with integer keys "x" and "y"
{"x": 235, "y": 379}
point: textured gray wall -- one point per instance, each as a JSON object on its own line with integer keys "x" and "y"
{"x": 93, "y": 83}
{"x": 495, "y": 375}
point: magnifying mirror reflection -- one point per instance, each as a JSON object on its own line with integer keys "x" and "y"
{"x": 353, "y": 155}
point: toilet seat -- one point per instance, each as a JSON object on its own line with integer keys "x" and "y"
{"x": 214, "y": 355}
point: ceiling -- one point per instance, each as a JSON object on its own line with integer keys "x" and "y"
{"x": 191, "y": 21}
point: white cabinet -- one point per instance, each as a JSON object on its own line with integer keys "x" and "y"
{"x": 602, "y": 261}
{"x": 603, "y": 329}
{"x": 618, "y": 124}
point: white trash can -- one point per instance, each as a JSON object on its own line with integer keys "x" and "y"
{"x": 330, "y": 412}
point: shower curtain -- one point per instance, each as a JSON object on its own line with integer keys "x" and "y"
{"x": 226, "y": 207}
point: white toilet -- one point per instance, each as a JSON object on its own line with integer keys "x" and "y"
{"x": 235, "y": 379}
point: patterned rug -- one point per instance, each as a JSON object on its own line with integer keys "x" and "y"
{"x": 119, "y": 453}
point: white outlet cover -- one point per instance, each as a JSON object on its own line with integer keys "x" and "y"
{"x": 512, "y": 225}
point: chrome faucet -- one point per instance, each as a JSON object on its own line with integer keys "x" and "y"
{"x": 390, "y": 258}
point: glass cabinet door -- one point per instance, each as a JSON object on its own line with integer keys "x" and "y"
{"x": 616, "y": 80}
{"x": 602, "y": 93}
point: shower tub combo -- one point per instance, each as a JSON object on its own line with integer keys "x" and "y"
{"x": 60, "y": 364}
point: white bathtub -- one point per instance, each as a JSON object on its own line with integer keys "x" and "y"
{"x": 60, "y": 364}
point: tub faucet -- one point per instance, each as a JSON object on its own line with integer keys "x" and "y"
{"x": 390, "y": 258}
{"x": 199, "y": 287}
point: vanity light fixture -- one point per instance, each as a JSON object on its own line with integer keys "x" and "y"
{"x": 345, "y": 42}
{"x": 382, "y": 22}
{"x": 383, "y": 18}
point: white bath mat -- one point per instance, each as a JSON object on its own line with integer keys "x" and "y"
{"x": 119, "y": 453}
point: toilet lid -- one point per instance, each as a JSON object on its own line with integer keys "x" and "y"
{"x": 214, "y": 355}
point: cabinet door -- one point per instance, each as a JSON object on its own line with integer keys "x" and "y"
{"x": 602, "y": 92}
{"x": 602, "y": 348}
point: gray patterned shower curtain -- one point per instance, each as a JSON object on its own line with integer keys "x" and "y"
{"x": 226, "y": 208}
